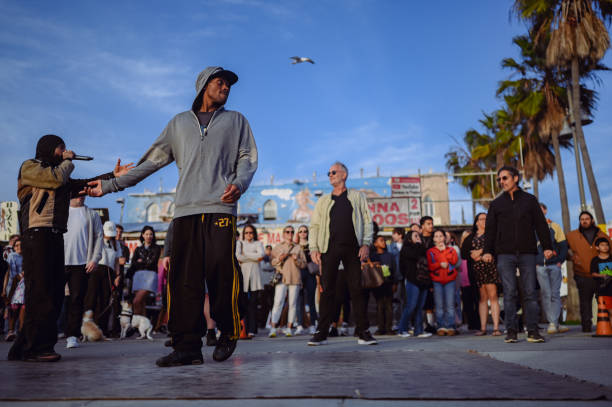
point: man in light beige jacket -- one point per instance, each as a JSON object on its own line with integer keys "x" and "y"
{"x": 341, "y": 231}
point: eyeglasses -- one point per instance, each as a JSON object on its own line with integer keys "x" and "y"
{"x": 504, "y": 178}
{"x": 289, "y": 232}
{"x": 303, "y": 231}
{"x": 248, "y": 233}
{"x": 330, "y": 173}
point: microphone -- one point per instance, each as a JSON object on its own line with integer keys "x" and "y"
{"x": 82, "y": 157}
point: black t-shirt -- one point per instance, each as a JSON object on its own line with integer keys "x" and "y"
{"x": 341, "y": 229}
{"x": 600, "y": 266}
{"x": 204, "y": 118}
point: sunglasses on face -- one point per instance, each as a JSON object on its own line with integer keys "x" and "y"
{"x": 330, "y": 173}
{"x": 290, "y": 232}
{"x": 303, "y": 231}
{"x": 504, "y": 178}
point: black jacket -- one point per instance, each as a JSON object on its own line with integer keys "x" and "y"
{"x": 409, "y": 255}
{"x": 512, "y": 225}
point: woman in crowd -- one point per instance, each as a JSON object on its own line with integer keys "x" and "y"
{"x": 288, "y": 258}
{"x": 250, "y": 253}
{"x": 102, "y": 280}
{"x": 143, "y": 268}
{"x": 441, "y": 258}
{"x": 469, "y": 289}
{"x": 485, "y": 274}
{"x": 14, "y": 289}
{"x": 413, "y": 265}
{"x": 309, "y": 280}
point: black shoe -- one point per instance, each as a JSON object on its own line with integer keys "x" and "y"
{"x": 535, "y": 337}
{"x": 333, "y": 332}
{"x": 366, "y": 338}
{"x": 225, "y": 347}
{"x": 317, "y": 339}
{"x": 211, "y": 338}
{"x": 169, "y": 343}
{"x": 181, "y": 358}
{"x": 511, "y": 337}
{"x": 43, "y": 357}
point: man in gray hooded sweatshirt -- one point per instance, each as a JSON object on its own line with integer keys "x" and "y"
{"x": 216, "y": 156}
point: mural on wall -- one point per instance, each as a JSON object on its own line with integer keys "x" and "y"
{"x": 269, "y": 204}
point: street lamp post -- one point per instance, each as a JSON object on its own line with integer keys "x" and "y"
{"x": 121, "y": 202}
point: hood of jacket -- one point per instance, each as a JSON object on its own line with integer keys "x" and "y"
{"x": 203, "y": 79}
{"x": 45, "y": 150}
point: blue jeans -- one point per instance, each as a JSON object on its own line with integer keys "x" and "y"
{"x": 444, "y": 299}
{"x": 549, "y": 278}
{"x": 415, "y": 300}
{"x": 506, "y": 267}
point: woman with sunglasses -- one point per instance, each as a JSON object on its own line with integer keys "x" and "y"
{"x": 309, "y": 281}
{"x": 288, "y": 258}
{"x": 250, "y": 252}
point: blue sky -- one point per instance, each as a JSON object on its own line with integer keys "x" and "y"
{"x": 392, "y": 84}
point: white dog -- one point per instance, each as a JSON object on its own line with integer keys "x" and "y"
{"x": 91, "y": 332}
{"x": 127, "y": 319}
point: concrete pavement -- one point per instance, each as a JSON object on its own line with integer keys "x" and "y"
{"x": 569, "y": 369}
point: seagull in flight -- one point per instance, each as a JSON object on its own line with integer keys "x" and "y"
{"x": 299, "y": 60}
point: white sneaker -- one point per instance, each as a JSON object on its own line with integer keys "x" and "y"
{"x": 552, "y": 328}
{"x": 343, "y": 331}
{"x": 299, "y": 330}
{"x": 424, "y": 335}
{"x": 272, "y": 333}
{"x": 312, "y": 329}
{"x": 562, "y": 329}
{"x": 404, "y": 334}
{"x": 287, "y": 331}
{"x": 72, "y": 342}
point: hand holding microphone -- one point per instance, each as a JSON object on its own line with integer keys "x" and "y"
{"x": 70, "y": 155}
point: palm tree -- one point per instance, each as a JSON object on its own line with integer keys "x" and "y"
{"x": 535, "y": 99}
{"x": 576, "y": 33}
{"x": 483, "y": 153}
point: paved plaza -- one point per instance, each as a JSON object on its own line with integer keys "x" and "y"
{"x": 571, "y": 369}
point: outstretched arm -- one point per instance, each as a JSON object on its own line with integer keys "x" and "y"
{"x": 159, "y": 155}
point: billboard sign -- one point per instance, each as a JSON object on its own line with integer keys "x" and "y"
{"x": 406, "y": 186}
{"x": 395, "y": 212}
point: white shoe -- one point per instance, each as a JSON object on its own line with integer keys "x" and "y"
{"x": 299, "y": 330}
{"x": 312, "y": 329}
{"x": 272, "y": 333}
{"x": 404, "y": 334}
{"x": 72, "y": 342}
{"x": 287, "y": 331}
{"x": 343, "y": 331}
{"x": 424, "y": 335}
{"x": 552, "y": 328}
{"x": 562, "y": 329}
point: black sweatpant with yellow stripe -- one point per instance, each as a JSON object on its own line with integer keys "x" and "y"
{"x": 203, "y": 249}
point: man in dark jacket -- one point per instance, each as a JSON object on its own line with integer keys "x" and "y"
{"x": 513, "y": 220}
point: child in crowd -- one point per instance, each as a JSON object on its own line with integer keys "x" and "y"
{"x": 14, "y": 290}
{"x": 384, "y": 293}
{"x": 441, "y": 259}
{"x": 601, "y": 267}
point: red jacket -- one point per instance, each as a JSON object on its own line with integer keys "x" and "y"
{"x": 435, "y": 257}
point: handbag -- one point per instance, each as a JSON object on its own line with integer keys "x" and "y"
{"x": 278, "y": 277}
{"x": 371, "y": 275}
{"x": 312, "y": 268}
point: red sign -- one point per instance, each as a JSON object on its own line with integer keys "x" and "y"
{"x": 395, "y": 212}
{"x": 406, "y": 186}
